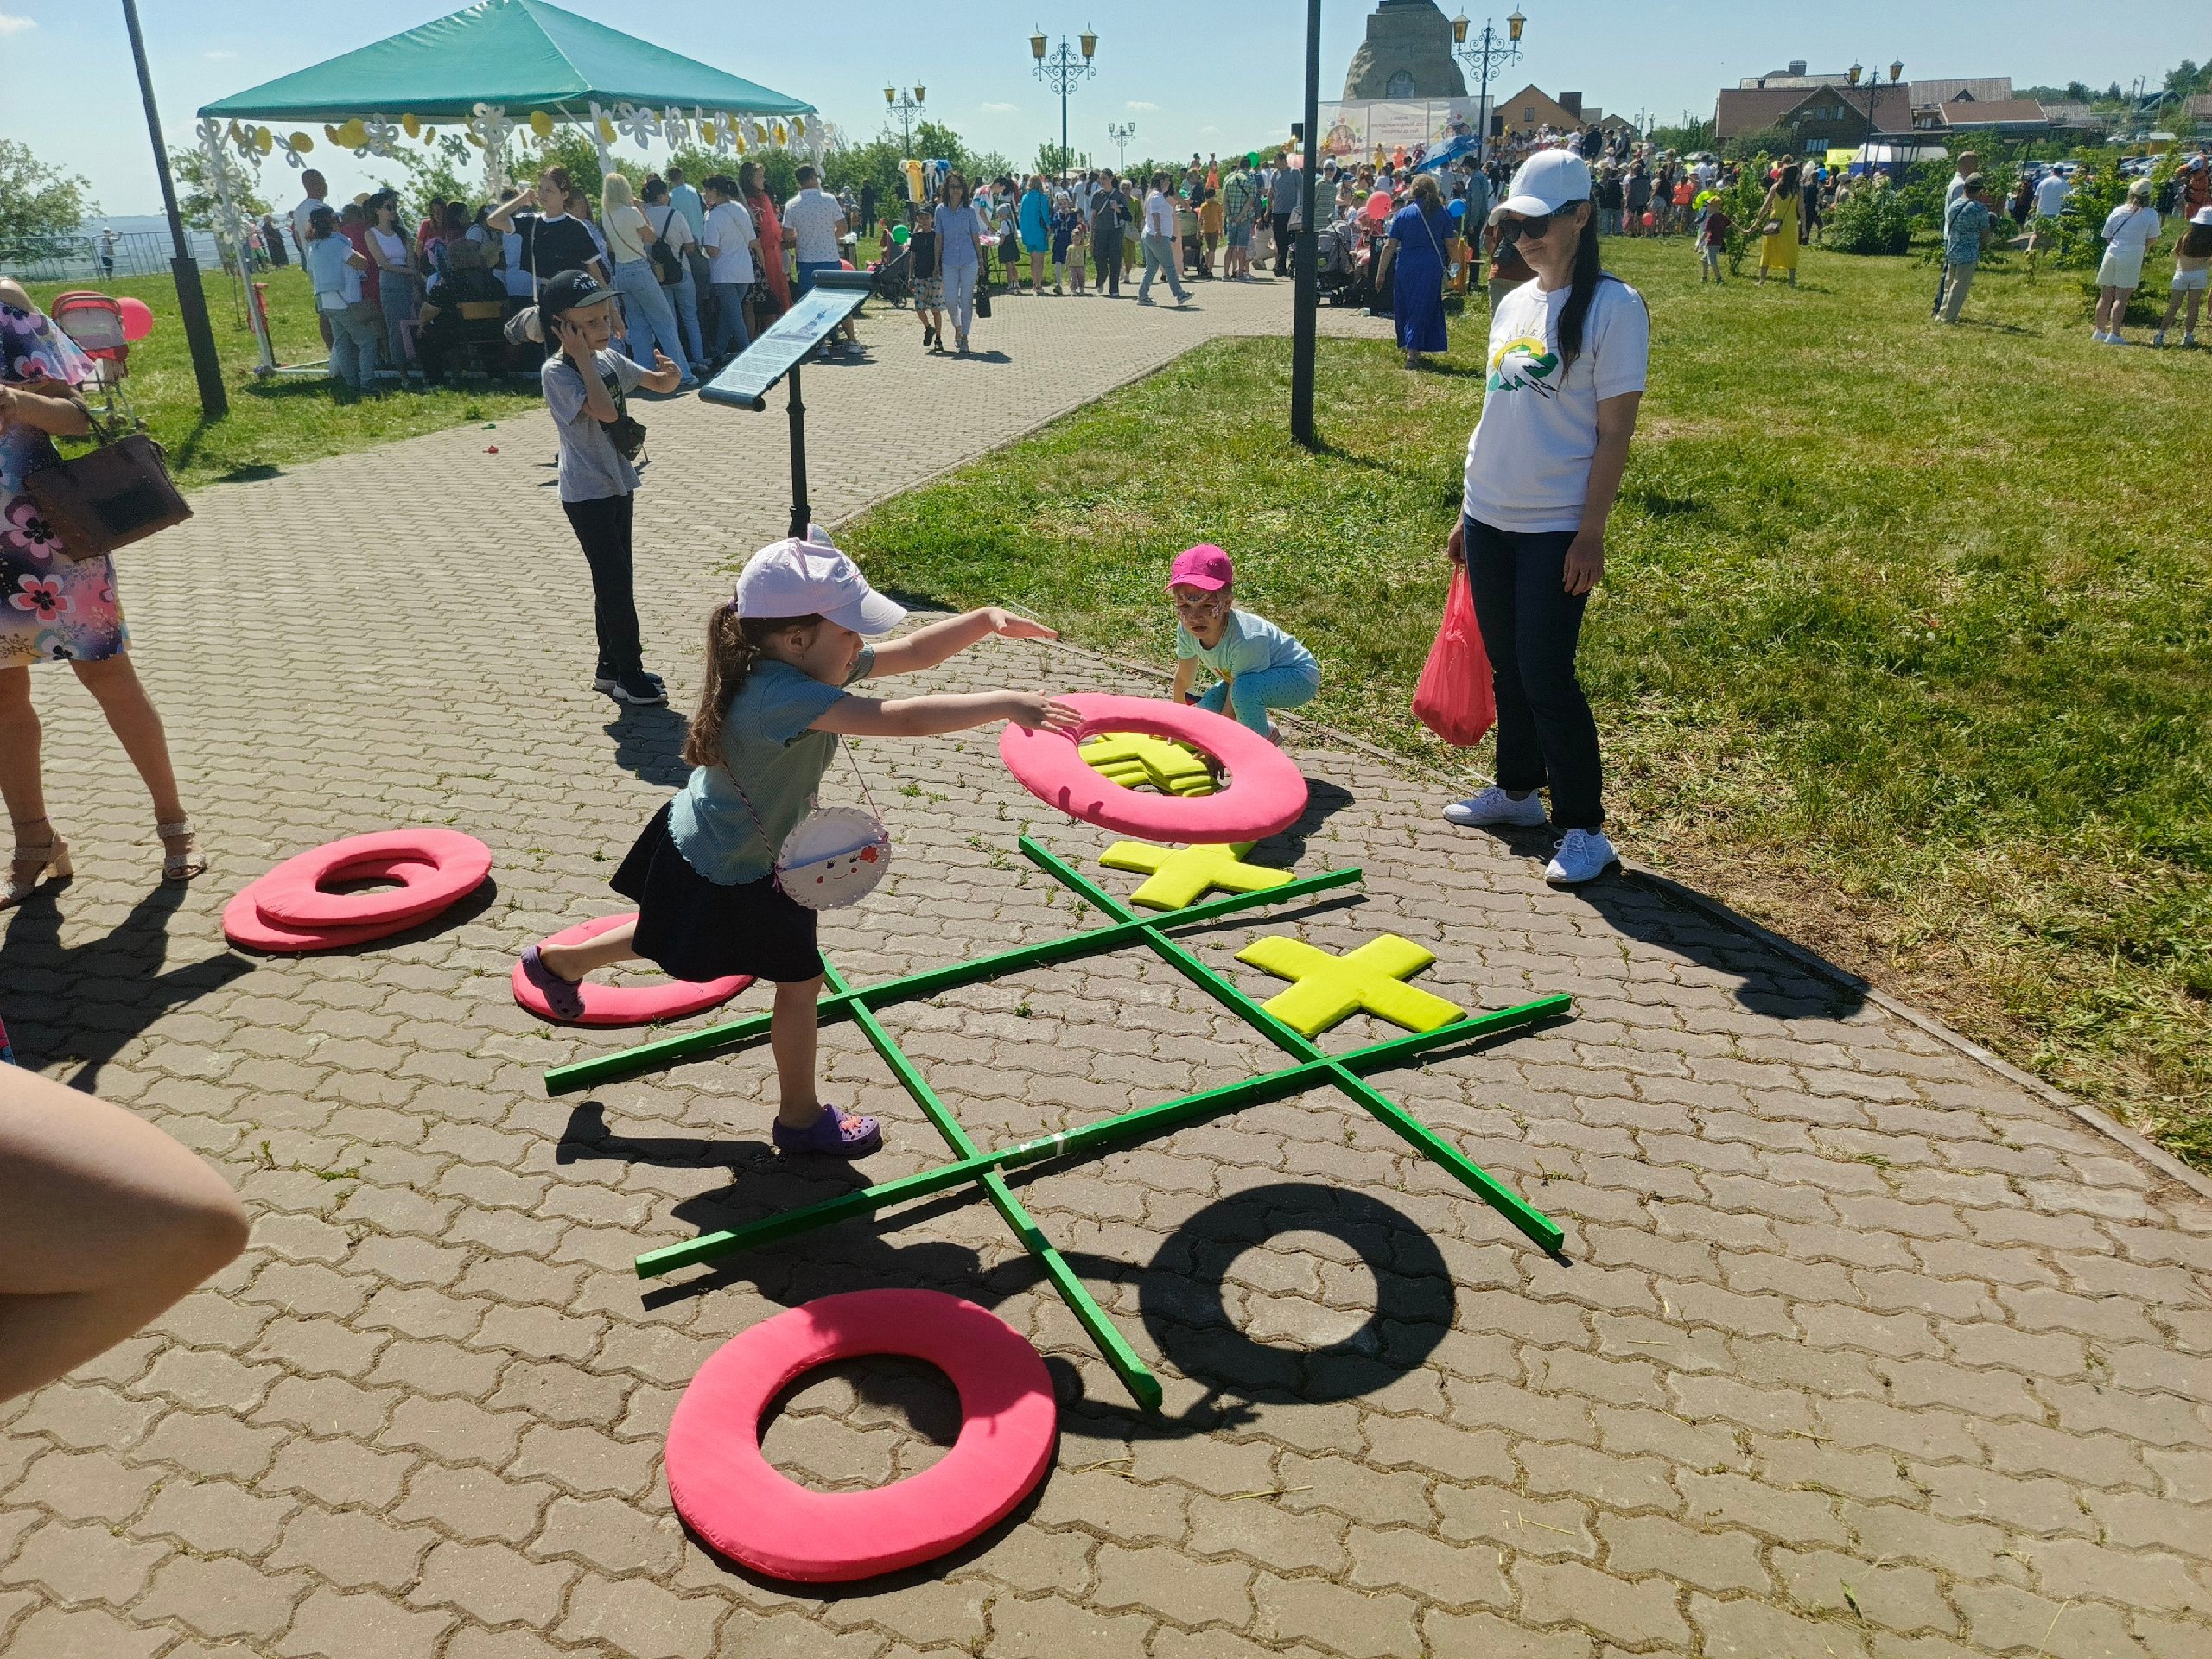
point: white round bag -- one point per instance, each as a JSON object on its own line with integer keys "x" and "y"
{"x": 833, "y": 857}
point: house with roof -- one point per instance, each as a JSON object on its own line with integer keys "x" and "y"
{"x": 1824, "y": 114}
{"x": 1530, "y": 108}
{"x": 2020, "y": 116}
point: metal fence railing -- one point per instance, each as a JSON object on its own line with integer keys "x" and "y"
{"x": 69, "y": 258}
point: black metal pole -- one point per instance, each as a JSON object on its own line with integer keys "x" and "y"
{"x": 1482, "y": 108}
{"x": 191, "y": 301}
{"x": 801, "y": 514}
{"x": 1305, "y": 299}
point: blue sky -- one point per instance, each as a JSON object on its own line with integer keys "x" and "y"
{"x": 1192, "y": 74}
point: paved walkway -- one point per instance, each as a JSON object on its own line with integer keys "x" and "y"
{"x": 1857, "y": 1348}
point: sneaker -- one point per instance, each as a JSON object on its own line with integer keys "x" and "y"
{"x": 2158, "y": 339}
{"x": 642, "y": 690}
{"x": 1581, "y": 855}
{"x": 603, "y": 679}
{"x": 2188, "y": 341}
{"x": 2098, "y": 335}
{"x": 2114, "y": 340}
{"x": 1494, "y": 805}
{"x": 834, "y": 1134}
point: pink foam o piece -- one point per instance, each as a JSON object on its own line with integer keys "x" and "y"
{"x": 732, "y": 1498}
{"x": 244, "y": 924}
{"x": 1266, "y": 792}
{"x": 626, "y": 1005}
{"x": 443, "y": 866}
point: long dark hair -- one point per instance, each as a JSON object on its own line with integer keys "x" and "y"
{"x": 2196, "y": 241}
{"x": 734, "y": 650}
{"x": 1582, "y": 288}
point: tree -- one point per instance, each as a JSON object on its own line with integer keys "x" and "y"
{"x": 197, "y": 205}
{"x": 1052, "y": 160}
{"x": 41, "y": 207}
{"x": 437, "y": 175}
{"x": 1775, "y": 140}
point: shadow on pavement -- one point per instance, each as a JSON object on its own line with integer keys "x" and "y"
{"x": 648, "y": 744}
{"x": 82, "y": 1003}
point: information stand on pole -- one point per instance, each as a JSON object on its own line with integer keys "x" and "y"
{"x": 746, "y": 382}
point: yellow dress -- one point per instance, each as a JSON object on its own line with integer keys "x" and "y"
{"x": 1779, "y": 252}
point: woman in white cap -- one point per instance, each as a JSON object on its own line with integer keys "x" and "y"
{"x": 781, "y": 656}
{"x": 2129, "y": 230}
{"x": 1567, "y": 354}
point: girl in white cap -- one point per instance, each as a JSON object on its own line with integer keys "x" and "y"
{"x": 2192, "y": 277}
{"x": 779, "y": 659}
{"x": 1567, "y": 363}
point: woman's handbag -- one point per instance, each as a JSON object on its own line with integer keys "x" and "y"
{"x": 668, "y": 264}
{"x": 1455, "y": 698}
{"x": 119, "y": 494}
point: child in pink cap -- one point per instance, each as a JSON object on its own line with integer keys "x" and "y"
{"x": 1259, "y": 666}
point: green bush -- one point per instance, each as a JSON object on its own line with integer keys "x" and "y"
{"x": 1870, "y": 218}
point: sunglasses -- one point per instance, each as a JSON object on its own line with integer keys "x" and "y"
{"x": 1524, "y": 230}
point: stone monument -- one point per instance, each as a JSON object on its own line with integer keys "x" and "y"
{"x": 1408, "y": 53}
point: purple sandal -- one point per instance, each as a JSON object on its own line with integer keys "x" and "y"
{"x": 563, "y": 996}
{"x": 835, "y": 1135}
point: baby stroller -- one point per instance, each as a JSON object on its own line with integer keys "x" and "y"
{"x": 894, "y": 275}
{"x": 1337, "y": 270}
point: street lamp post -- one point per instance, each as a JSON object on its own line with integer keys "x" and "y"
{"x": 1121, "y": 136}
{"x": 191, "y": 301}
{"x": 1487, "y": 54}
{"x": 906, "y": 109}
{"x": 1305, "y": 295}
{"x": 1873, "y": 83}
{"x": 1064, "y": 71}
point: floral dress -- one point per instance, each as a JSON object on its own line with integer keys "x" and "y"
{"x": 53, "y": 608}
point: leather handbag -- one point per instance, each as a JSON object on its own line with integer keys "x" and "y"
{"x": 119, "y": 493}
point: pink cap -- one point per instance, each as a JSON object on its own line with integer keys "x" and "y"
{"x": 1204, "y": 566}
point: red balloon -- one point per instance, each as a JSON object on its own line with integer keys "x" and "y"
{"x": 844, "y": 265}
{"x": 1378, "y": 205}
{"x": 1651, "y": 220}
{"x": 138, "y": 319}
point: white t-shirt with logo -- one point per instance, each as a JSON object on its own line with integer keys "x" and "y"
{"x": 1528, "y": 460}
{"x": 811, "y": 216}
{"x": 729, "y": 233}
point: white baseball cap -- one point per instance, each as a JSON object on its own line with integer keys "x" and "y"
{"x": 811, "y": 578}
{"x": 1549, "y": 180}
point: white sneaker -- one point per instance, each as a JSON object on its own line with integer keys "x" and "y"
{"x": 1582, "y": 856}
{"x": 1493, "y": 806}
{"x": 2114, "y": 340}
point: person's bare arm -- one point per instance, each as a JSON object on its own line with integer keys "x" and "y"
{"x": 931, "y": 716}
{"x": 928, "y": 646}
{"x": 599, "y": 402}
{"x": 1186, "y": 675}
{"x": 58, "y": 415}
{"x": 1585, "y": 556}
{"x": 664, "y": 376}
{"x": 502, "y": 218}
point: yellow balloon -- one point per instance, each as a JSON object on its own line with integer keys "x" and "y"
{"x": 706, "y": 132}
{"x": 263, "y": 140}
{"x": 331, "y": 133}
{"x": 302, "y": 142}
{"x": 798, "y": 126}
{"x": 541, "y": 124}
{"x": 234, "y": 135}
{"x": 429, "y": 135}
{"x": 353, "y": 134}
{"x": 409, "y": 125}
{"x": 606, "y": 129}
{"x": 474, "y": 140}
{"x": 741, "y": 143}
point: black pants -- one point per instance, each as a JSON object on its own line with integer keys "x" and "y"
{"x": 1530, "y": 625}
{"x": 1283, "y": 244}
{"x": 602, "y": 527}
{"x": 1106, "y": 259}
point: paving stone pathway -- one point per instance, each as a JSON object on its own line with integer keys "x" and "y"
{"x": 1857, "y": 1347}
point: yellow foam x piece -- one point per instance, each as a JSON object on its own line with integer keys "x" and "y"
{"x": 1184, "y": 875}
{"x": 1135, "y": 758}
{"x": 1331, "y": 989}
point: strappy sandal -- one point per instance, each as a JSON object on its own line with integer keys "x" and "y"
{"x": 185, "y": 862}
{"x": 51, "y": 857}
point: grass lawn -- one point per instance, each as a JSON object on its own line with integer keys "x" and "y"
{"x": 273, "y": 423}
{"x": 1905, "y": 646}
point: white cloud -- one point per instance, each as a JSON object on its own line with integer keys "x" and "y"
{"x": 11, "y": 24}
{"x": 1002, "y": 109}
{"x": 1138, "y": 104}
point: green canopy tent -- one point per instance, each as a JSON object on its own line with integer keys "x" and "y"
{"x": 498, "y": 66}
{"x": 520, "y": 53}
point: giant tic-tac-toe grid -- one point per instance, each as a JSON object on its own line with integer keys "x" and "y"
{"x": 971, "y": 1165}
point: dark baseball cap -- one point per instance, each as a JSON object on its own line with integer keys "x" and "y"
{"x": 570, "y": 290}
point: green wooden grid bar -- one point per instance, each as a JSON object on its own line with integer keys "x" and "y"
{"x": 1508, "y": 1203}
{"x": 1103, "y": 1132}
{"x": 1136, "y": 1377}
{"x": 668, "y": 1051}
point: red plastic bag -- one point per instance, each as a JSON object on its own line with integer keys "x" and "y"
{"x": 1454, "y": 698}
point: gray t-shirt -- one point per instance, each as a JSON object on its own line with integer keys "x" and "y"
{"x": 591, "y": 466}
{"x": 768, "y": 745}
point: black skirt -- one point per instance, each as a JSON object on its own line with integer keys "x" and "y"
{"x": 696, "y": 929}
